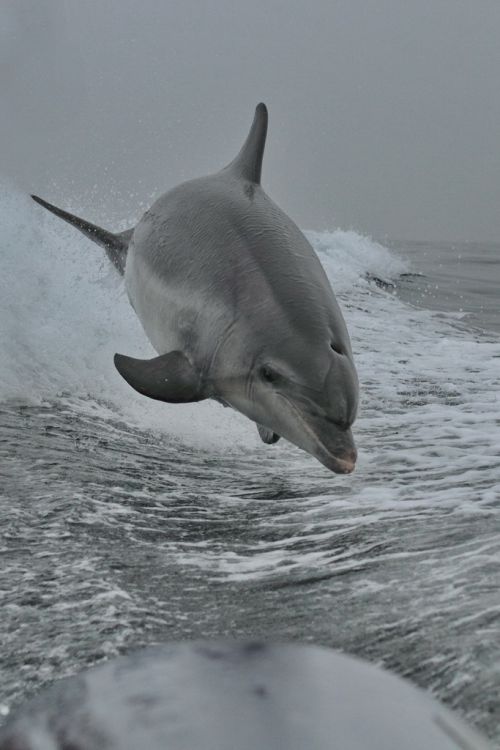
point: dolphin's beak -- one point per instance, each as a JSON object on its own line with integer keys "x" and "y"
{"x": 344, "y": 465}
{"x": 333, "y": 446}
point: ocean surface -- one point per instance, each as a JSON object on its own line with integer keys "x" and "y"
{"x": 125, "y": 522}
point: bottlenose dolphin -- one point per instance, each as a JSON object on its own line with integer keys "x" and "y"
{"x": 224, "y": 695}
{"x": 236, "y": 303}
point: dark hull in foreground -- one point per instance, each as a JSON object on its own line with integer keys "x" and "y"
{"x": 236, "y": 696}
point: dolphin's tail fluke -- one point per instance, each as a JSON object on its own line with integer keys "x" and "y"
{"x": 115, "y": 244}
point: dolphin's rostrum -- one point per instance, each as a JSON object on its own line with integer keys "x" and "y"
{"x": 236, "y": 303}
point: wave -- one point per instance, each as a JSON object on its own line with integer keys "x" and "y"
{"x": 352, "y": 260}
{"x": 395, "y": 562}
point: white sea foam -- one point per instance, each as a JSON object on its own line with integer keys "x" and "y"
{"x": 64, "y": 313}
{"x": 397, "y": 562}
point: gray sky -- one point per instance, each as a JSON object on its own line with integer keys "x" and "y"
{"x": 384, "y": 114}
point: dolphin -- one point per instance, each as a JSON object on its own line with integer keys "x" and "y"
{"x": 235, "y": 695}
{"x": 235, "y": 301}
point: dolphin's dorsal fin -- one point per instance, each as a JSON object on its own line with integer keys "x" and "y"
{"x": 116, "y": 245}
{"x": 248, "y": 164}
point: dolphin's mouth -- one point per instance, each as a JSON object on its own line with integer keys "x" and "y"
{"x": 339, "y": 464}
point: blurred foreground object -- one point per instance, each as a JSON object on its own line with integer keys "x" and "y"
{"x": 236, "y": 696}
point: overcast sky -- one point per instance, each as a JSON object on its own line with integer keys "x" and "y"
{"x": 384, "y": 114}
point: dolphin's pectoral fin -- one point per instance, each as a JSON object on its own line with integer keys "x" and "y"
{"x": 266, "y": 435}
{"x": 170, "y": 377}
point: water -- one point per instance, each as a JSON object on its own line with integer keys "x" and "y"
{"x": 458, "y": 277}
{"x": 126, "y": 522}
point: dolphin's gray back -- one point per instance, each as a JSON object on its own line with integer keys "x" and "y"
{"x": 219, "y": 246}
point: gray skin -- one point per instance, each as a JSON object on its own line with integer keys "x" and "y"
{"x": 235, "y": 301}
{"x": 235, "y": 696}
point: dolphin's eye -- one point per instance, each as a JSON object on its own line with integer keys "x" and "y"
{"x": 336, "y": 348}
{"x": 268, "y": 374}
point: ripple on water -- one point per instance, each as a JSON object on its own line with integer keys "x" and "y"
{"x": 118, "y": 532}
